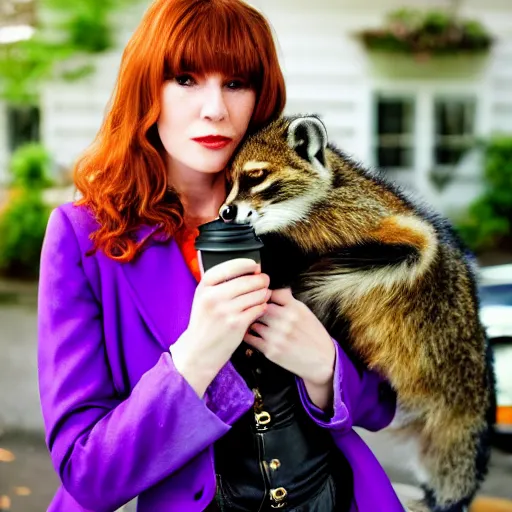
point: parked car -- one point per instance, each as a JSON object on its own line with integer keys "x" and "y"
{"x": 495, "y": 288}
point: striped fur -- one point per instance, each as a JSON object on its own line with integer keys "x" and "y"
{"x": 389, "y": 279}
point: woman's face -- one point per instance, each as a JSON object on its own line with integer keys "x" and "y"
{"x": 203, "y": 119}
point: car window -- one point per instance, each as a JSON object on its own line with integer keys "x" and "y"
{"x": 496, "y": 295}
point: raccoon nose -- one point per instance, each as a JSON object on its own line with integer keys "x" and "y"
{"x": 228, "y": 213}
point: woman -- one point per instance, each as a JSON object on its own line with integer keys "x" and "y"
{"x": 140, "y": 370}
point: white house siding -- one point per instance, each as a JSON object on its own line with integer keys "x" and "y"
{"x": 328, "y": 73}
{"x": 73, "y": 111}
{"x": 324, "y": 67}
{"x": 501, "y": 86}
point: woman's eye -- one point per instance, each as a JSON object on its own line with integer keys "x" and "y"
{"x": 236, "y": 84}
{"x": 184, "y": 80}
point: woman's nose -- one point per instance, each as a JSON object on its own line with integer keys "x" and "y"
{"x": 214, "y": 106}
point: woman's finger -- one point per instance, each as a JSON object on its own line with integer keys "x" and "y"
{"x": 249, "y": 300}
{"x": 242, "y": 285}
{"x": 229, "y": 270}
{"x": 259, "y": 328}
{"x": 282, "y": 296}
{"x": 255, "y": 342}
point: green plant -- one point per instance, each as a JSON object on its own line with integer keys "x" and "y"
{"x": 86, "y": 23}
{"x": 30, "y": 167}
{"x": 22, "y": 228}
{"x": 427, "y": 32}
{"x": 23, "y": 221}
{"x": 488, "y": 223}
{"x": 78, "y": 27}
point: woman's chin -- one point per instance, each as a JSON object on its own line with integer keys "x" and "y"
{"x": 210, "y": 165}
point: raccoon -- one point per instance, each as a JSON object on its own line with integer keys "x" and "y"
{"x": 389, "y": 279}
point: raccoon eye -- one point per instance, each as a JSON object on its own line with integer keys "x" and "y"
{"x": 257, "y": 174}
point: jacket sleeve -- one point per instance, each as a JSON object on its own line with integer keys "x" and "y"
{"x": 106, "y": 449}
{"x": 362, "y": 399}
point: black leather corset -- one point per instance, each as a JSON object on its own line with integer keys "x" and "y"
{"x": 275, "y": 456}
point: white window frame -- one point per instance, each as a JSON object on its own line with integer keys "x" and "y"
{"x": 375, "y": 135}
{"x": 425, "y": 92}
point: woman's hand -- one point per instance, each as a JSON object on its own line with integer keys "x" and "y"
{"x": 229, "y": 298}
{"x": 293, "y": 337}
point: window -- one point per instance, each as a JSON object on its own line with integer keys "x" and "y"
{"x": 454, "y": 129}
{"x": 395, "y": 132}
{"x": 22, "y": 125}
{"x": 423, "y": 129}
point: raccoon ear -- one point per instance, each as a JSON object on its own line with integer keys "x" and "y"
{"x": 308, "y": 137}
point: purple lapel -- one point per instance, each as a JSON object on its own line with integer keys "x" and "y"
{"x": 162, "y": 287}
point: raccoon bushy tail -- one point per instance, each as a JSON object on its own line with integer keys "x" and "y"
{"x": 464, "y": 475}
{"x": 454, "y": 455}
{"x": 474, "y": 475}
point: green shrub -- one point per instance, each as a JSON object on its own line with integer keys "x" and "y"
{"x": 23, "y": 220}
{"x": 65, "y": 29}
{"x": 22, "y": 227}
{"x": 30, "y": 167}
{"x": 488, "y": 224}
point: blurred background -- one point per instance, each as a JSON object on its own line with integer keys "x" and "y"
{"x": 420, "y": 88}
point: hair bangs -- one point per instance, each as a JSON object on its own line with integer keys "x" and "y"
{"x": 123, "y": 175}
{"x": 215, "y": 40}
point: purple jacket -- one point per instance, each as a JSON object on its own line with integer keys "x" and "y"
{"x": 120, "y": 420}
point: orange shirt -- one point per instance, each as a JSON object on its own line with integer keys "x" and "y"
{"x": 185, "y": 238}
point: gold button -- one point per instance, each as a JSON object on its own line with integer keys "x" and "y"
{"x": 278, "y": 496}
{"x": 275, "y": 464}
{"x": 262, "y": 418}
{"x": 249, "y": 352}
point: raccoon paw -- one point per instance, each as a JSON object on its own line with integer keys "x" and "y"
{"x": 421, "y": 506}
{"x": 416, "y": 506}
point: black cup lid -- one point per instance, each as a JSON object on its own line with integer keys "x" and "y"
{"x": 221, "y": 236}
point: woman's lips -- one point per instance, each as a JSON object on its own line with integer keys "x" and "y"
{"x": 213, "y": 141}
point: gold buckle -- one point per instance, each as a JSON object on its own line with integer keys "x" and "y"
{"x": 262, "y": 418}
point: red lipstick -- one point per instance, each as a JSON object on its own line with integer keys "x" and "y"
{"x": 213, "y": 141}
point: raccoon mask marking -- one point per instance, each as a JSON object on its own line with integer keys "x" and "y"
{"x": 268, "y": 191}
{"x": 390, "y": 281}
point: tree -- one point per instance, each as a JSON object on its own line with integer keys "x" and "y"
{"x": 64, "y": 29}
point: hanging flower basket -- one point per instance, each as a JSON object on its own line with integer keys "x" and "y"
{"x": 419, "y": 67}
{"x": 423, "y": 34}
{"x": 425, "y": 44}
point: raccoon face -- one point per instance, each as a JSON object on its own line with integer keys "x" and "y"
{"x": 278, "y": 174}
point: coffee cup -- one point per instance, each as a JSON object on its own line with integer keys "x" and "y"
{"x": 219, "y": 241}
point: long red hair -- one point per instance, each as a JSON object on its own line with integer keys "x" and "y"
{"x": 122, "y": 177}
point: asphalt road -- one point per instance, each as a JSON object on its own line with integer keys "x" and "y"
{"x": 395, "y": 457}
